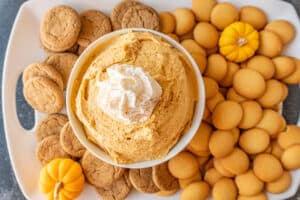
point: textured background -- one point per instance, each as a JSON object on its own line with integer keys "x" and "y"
{"x": 9, "y": 189}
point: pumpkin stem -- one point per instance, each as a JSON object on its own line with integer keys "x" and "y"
{"x": 242, "y": 41}
{"x": 57, "y": 186}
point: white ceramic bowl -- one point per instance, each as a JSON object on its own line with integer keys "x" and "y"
{"x": 98, "y": 152}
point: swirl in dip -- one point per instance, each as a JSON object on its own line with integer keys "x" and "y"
{"x": 135, "y": 97}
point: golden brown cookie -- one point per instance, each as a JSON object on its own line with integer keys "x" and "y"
{"x": 280, "y": 185}
{"x": 211, "y": 87}
{"x": 276, "y": 149}
{"x": 51, "y": 125}
{"x": 273, "y": 94}
{"x": 237, "y": 162}
{"x": 193, "y": 47}
{"x": 173, "y": 36}
{"x": 232, "y": 68}
{"x": 141, "y": 16}
{"x": 290, "y": 157}
{"x": 220, "y": 168}
{"x": 267, "y": 167}
{"x": 262, "y": 64}
{"x": 221, "y": 143}
{"x": 248, "y": 184}
{"x": 163, "y": 179}
{"x": 212, "y": 176}
{"x": 141, "y": 180}
{"x": 216, "y": 67}
{"x": 245, "y": 79}
{"x": 254, "y": 141}
{"x": 234, "y": 96}
{"x": 252, "y": 114}
{"x": 284, "y": 29}
{"x": 198, "y": 190}
{"x": 42, "y": 70}
{"x": 206, "y": 35}
{"x": 224, "y": 14}
{"x": 43, "y": 95}
{"x": 94, "y": 24}
{"x": 289, "y": 137}
{"x": 236, "y": 134}
{"x": 214, "y": 101}
{"x": 260, "y": 196}
{"x": 183, "y": 183}
{"x": 60, "y": 28}
{"x": 185, "y": 20}
{"x": 271, "y": 122}
{"x": 294, "y": 78}
{"x": 201, "y": 61}
{"x": 284, "y": 66}
{"x": 118, "y": 190}
{"x": 63, "y": 62}
{"x": 70, "y": 143}
{"x": 270, "y": 44}
{"x": 118, "y": 12}
{"x": 224, "y": 189}
{"x": 98, "y": 172}
{"x": 254, "y": 16}
{"x": 203, "y": 8}
{"x": 167, "y": 22}
{"x": 50, "y": 148}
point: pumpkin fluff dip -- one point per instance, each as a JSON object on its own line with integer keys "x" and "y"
{"x": 135, "y": 97}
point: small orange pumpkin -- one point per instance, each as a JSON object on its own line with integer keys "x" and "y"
{"x": 61, "y": 179}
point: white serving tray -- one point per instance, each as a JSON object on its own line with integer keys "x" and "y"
{"x": 24, "y": 48}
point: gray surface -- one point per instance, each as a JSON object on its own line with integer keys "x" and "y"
{"x": 9, "y": 189}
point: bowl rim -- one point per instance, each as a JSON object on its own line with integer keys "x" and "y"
{"x": 181, "y": 143}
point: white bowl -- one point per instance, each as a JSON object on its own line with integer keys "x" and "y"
{"x": 98, "y": 152}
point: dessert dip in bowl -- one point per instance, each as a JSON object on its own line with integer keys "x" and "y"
{"x": 135, "y": 98}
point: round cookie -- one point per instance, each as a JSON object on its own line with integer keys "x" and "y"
{"x": 140, "y": 16}
{"x": 271, "y": 122}
{"x": 234, "y": 96}
{"x": 294, "y": 78}
{"x": 183, "y": 165}
{"x": 254, "y": 16}
{"x": 227, "y": 115}
{"x": 185, "y": 20}
{"x": 224, "y": 189}
{"x": 183, "y": 183}
{"x": 290, "y": 157}
{"x": 141, "y": 179}
{"x": 245, "y": 79}
{"x": 224, "y": 14}
{"x": 173, "y": 36}
{"x": 70, "y": 143}
{"x": 193, "y": 47}
{"x": 237, "y": 162}
{"x": 60, "y": 28}
{"x": 270, "y": 44}
{"x": 273, "y": 94}
{"x": 202, "y": 9}
{"x": 254, "y": 141}
{"x": 167, "y": 22}
{"x": 118, "y": 12}
{"x": 198, "y": 190}
{"x": 211, "y": 87}
{"x": 63, "y": 63}
{"x": 214, "y": 101}
{"x": 276, "y": 149}
{"x": 216, "y": 67}
{"x": 118, "y": 190}
{"x": 232, "y": 68}
{"x": 206, "y": 35}
{"x": 248, "y": 184}
{"x": 51, "y": 125}
{"x": 94, "y": 24}
{"x": 98, "y": 172}
{"x": 200, "y": 60}
{"x": 284, "y": 66}
{"x": 50, "y": 148}
{"x": 221, "y": 143}
{"x": 42, "y": 70}
{"x": 262, "y": 64}
{"x": 280, "y": 185}
{"x": 267, "y": 167}
{"x": 284, "y": 29}
{"x": 163, "y": 179}
{"x": 200, "y": 141}
{"x": 220, "y": 168}
{"x": 289, "y": 137}
{"x": 252, "y": 114}
{"x": 260, "y": 196}
{"x": 43, "y": 95}
{"x": 212, "y": 176}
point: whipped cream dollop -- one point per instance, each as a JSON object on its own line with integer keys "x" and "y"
{"x": 129, "y": 95}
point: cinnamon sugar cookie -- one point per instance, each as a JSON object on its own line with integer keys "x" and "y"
{"x": 70, "y": 143}
{"x": 163, "y": 179}
{"x": 140, "y": 16}
{"x": 118, "y": 190}
{"x": 60, "y": 28}
{"x": 94, "y": 24}
{"x": 44, "y": 70}
{"x": 50, "y": 148}
{"x": 141, "y": 180}
{"x": 63, "y": 62}
{"x": 99, "y": 173}
{"x": 43, "y": 95}
{"x": 51, "y": 125}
